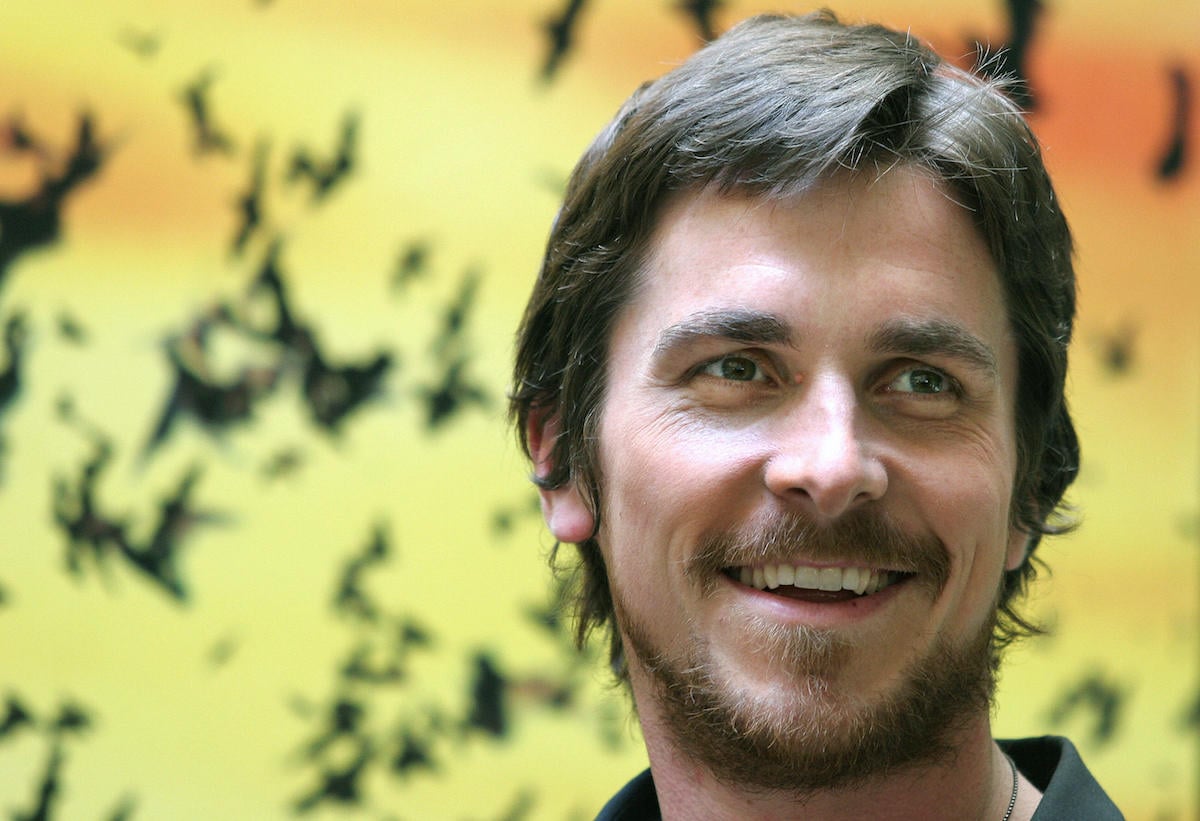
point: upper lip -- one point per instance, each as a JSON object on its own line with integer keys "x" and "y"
{"x": 841, "y": 564}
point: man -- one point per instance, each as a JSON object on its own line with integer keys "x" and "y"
{"x": 791, "y": 379}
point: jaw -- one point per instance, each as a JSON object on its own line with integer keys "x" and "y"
{"x": 792, "y": 708}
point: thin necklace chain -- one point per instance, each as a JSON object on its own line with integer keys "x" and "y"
{"x": 1012, "y": 801}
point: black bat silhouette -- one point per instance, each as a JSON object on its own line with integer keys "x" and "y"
{"x": 362, "y": 666}
{"x": 36, "y": 221}
{"x": 411, "y": 265}
{"x": 331, "y": 392}
{"x": 487, "y": 710}
{"x": 454, "y": 318}
{"x": 93, "y": 534}
{"x": 90, "y": 533}
{"x": 215, "y": 403}
{"x": 451, "y": 394}
{"x": 207, "y": 138}
{"x": 702, "y": 11}
{"x": 222, "y": 651}
{"x": 18, "y": 139}
{"x": 70, "y": 328}
{"x": 15, "y": 340}
{"x": 48, "y": 790}
{"x": 560, "y": 33}
{"x": 345, "y": 719}
{"x": 410, "y": 633}
{"x": 325, "y": 174}
{"x": 370, "y": 663}
{"x": 285, "y": 330}
{"x": 283, "y": 462}
{"x": 124, "y": 810}
{"x": 351, "y": 599}
{"x": 1117, "y": 349}
{"x": 341, "y": 785}
{"x": 250, "y": 202}
{"x": 71, "y": 718}
{"x": 1010, "y": 61}
{"x": 413, "y": 752}
{"x": 158, "y": 557}
{"x": 143, "y": 44}
{"x": 1175, "y": 157}
{"x": 1102, "y": 700}
{"x": 504, "y": 519}
{"x": 15, "y": 717}
{"x": 1189, "y": 717}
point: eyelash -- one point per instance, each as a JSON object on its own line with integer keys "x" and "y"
{"x": 952, "y": 387}
{"x": 764, "y": 373}
{"x": 760, "y": 363}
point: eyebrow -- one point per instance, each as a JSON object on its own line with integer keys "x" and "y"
{"x": 914, "y": 337}
{"x": 741, "y": 325}
{"x": 922, "y": 337}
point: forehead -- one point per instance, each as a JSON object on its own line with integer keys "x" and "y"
{"x": 857, "y": 250}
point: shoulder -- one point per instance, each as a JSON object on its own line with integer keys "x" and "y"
{"x": 637, "y": 801}
{"x": 1053, "y": 765}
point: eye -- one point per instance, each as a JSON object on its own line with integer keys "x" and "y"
{"x": 926, "y": 381}
{"x": 735, "y": 368}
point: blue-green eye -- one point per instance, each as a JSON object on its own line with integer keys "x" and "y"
{"x": 734, "y": 368}
{"x": 921, "y": 380}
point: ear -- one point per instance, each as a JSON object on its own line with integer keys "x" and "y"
{"x": 1018, "y": 548}
{"x": 567, "y": 515}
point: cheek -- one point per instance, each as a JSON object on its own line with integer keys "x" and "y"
{"x": 669, "y": 483}
{"x": 969, "y": 513}
{"x": 676, "y": 468}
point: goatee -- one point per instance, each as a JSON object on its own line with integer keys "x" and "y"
{"x": 809, "y": 736}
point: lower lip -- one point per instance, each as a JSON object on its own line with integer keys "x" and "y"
{"x": 815, "y": 614}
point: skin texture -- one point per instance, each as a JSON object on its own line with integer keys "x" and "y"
{"x": 837, "y": 357}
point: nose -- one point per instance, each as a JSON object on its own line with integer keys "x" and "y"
{"x": 822, "y": 458}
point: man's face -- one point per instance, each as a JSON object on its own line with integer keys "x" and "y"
{"x": 821, "y": 390}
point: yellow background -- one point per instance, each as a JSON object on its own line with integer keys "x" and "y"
{"x": 204, "y": 709}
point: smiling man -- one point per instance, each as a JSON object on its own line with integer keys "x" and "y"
{"x": 791, "y": 379}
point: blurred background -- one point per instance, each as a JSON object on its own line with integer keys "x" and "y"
{"x": 267, "y": 549}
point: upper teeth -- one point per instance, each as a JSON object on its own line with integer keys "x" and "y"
{"x": 861, "y": 580}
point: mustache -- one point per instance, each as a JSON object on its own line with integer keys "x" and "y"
{"x": 865, "y": 537}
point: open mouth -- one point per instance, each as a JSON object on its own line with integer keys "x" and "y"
{"x": 818, "y": 584}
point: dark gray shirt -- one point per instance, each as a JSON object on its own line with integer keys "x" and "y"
{"x": 1051, "y": 763}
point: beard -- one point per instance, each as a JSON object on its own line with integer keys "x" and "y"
{"x": 809, "y": 736}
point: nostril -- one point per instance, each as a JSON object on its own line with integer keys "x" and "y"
{"x": 826, "y": 487}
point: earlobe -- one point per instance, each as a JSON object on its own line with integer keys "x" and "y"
{"x": 567, "y": 516}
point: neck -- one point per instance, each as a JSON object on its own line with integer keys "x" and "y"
{"x": 974, "y": 783}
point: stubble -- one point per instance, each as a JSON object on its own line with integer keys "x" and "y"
{"x": 810, "y": 735}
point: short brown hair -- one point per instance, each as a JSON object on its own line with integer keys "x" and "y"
{"x": 774, "y": 106}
